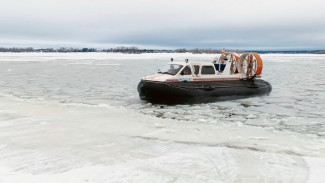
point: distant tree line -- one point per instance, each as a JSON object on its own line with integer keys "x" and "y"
{"x": 199, "y": 51}
{"x": 136, "y": 50}
{"x": 121, "y": 49}
{"x": 61, "y": 50}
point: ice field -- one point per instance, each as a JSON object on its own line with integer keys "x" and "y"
{"x": 77, "y": 117}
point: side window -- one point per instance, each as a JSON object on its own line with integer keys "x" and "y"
{"x": 186, "y": 71}
{"x": 207, "y": 70}
{"x": 196, "y": 69}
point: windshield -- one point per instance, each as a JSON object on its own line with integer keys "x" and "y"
{"x": 171, "y": 69}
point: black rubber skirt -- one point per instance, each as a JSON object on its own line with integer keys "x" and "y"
{"x": 201, "y": 92}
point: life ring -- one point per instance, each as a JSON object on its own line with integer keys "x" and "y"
{"x": 250, "y": 64}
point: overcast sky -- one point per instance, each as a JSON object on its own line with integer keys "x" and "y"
{"x": 249, "y": 24}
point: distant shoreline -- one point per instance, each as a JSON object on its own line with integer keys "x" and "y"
{"x": 135, "y": 50}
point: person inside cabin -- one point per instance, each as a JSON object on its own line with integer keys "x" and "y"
{"x": 186, "y": 71}
{"x": 222, "y": 63}
{"x": 171, "y": 69}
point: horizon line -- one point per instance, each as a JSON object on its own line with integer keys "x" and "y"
{"x": 158, "y": 49}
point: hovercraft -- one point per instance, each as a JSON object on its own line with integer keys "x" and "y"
{"x": 231, "y": 76}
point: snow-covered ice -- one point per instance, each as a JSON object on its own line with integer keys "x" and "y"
{"x": 78, "y": 118}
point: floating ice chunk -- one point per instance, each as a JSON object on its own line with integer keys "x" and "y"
{"x": 251, "y": 116}
{"x": 236, "y": 118}
{"x": 254, "y": 122}
{"x": 239, "y": 123}
{"x": 258, "y": 138}
{"x": 103, "y": 105}
{"x": 250, "y": 104}
{"x": 160, "y": 125}
{"x": 188, "y": 112}
{"x": 197, "y": 107}
{"x": 202, "y": 120}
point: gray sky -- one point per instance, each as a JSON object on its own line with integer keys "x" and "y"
{"x": 249, "y": 24}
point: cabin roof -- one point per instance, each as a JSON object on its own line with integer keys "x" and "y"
{"x": 191, "y": 63}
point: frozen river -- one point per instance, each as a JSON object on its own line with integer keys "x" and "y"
{"x": 77, "y": 117}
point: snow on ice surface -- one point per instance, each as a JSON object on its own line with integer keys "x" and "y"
{"x": 78, "y": 118}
